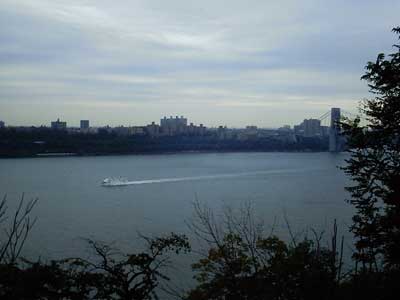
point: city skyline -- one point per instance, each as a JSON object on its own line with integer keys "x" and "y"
{"x": 246, "y": 63}
{"x": 126, "y": 123}
{"x": 88, "y": 124}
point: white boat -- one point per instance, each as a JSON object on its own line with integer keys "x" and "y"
{"x": 112, "y": 181}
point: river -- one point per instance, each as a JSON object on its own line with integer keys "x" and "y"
{"x": 306, "y": 187}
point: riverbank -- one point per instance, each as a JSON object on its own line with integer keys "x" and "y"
{"x": 58, "y": 155}
{"x": 41, "y": 143}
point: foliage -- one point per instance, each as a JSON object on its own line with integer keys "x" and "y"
{"x": 374, "y": 166}
{"x": 16, "y": 142}
{"x": 242, "y": 262}
{"x": 17, "y": 231}
{"x": 109, "y": 274}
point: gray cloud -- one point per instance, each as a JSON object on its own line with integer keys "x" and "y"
{"x": 218, "y": 62}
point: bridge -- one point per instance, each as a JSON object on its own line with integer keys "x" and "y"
{"x": 331, "y": 119}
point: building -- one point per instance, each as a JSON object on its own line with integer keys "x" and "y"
{"x": 2, "y": 124}
{"x": 250, "y": 132}
{"x": 58, "y": 125}
{"x": 298, "y": 129}
{"x": 173, "y": 126}
{"x": 285, "y": 129}
{"x": 105, "y": 130}
{"x": 201, "y": 130}
{"x": 137, "y": 130}
{"x": 153, "y": 129}
{"x": 191, "y": 129}
{"x": 85, "y": 124}
{"x": 309, "y": 128}
{"x": 222, "y": 132}
{"x": 122, "y": 131}
{"x": 312, "y": 127}
{"x": 325, "y": 130}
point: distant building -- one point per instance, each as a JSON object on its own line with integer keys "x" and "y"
{"x": 2, "y": 124}
{"x": 298, "y": 129}
{"x": 85, "y": 124}
{"x": 312, "y": 127}
{"x": 153, "y": 129}
{"x": 122, "y": 130}
{"x": 309, "y": 128}
{"x": 250, "y": 132}
{"x": 201, "y": 130}
{"x": 58, "y": 124}
{"x": 222, "y": 132}
{"x": 137, "y": 130}
{"x": 104, "y": 130}
{"x": 325, "y": 130}
{"x": 178, "y": 126}
{"x": 191, "y": 129}
{"x": 173, "y": 126}
{"x": 284, "y": 129}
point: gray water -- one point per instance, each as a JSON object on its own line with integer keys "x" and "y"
{"x": 307, "y": 187}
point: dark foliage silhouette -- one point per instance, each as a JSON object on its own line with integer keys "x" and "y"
{"x": 16, "y": 229}
{"x": 374, "y": 166}
{"x": 243, "y": 262}
{"x": 108, "y": 274}
{"x": 14, "y": 143}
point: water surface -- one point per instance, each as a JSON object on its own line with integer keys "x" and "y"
{"x": 307, "y": 187}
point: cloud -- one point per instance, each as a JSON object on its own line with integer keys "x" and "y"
{"x": 281, "y": 61}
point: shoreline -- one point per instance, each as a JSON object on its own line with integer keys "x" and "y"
{"x": 58, "y": 155}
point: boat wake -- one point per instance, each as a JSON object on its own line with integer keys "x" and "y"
{"x": 110, "y": 182}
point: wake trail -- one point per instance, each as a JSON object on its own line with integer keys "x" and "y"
{"x": 206, "y": 177}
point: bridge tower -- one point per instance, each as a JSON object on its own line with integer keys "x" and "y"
{"x": 335, "y": 144}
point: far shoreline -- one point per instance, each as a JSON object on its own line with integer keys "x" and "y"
{"x": 63, "y": 155}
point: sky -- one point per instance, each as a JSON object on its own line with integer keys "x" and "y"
{"x": 235, "y": 63}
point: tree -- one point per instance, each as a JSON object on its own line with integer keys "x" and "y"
{"x": 108, "y": 274}
{"x": 130, "y": 276}
{"x": 17, "y": 231}
{"x": 241, "y": 261}
{"x": 374, "y": 166}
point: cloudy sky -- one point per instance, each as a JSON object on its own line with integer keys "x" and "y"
{"x": 234, "y": 63}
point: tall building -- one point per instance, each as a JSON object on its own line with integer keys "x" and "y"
{"x": 2, "y": 124}
{"x": 222, "y": 132}
{"x": 312, "y": 127}
{"x": 173, "y": 126}
{"x": 309, "y": 128}
{"x": 84, "y": 124}
{"x": 58, "y": 124}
